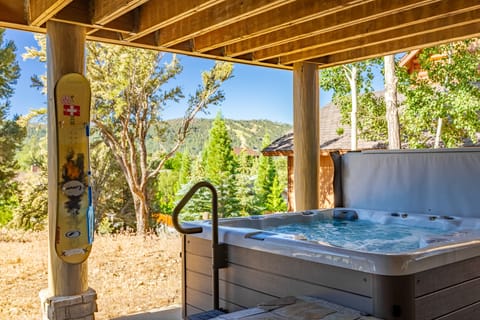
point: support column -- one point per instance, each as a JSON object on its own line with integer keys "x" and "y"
{"x": 306, "y": 133}
{"x": 68, "y": 295}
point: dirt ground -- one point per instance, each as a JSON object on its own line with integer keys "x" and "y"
{"x": 129, "y": 273}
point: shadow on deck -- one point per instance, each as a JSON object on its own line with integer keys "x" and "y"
{"x": 169, "y": 313}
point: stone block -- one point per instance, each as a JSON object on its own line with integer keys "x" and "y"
{"x": 77, "y": 307}
{"x": 80, "y": 310}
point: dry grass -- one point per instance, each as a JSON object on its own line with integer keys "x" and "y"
{"x": 130, "y": 273}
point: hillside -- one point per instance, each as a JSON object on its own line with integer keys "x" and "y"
{"x": 244, "y": 133}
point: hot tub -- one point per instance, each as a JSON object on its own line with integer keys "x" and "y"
{"x": 438, "y": 277}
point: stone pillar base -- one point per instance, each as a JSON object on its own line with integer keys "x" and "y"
{"x": 78, "y": 307}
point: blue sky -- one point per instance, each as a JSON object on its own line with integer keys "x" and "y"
{"x": 253, "y": 93}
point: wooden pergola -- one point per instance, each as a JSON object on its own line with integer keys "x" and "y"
{"x": 301, "y": 35}
{"x": 273, "y": 33}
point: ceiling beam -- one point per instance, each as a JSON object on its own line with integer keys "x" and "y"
{"x": 349, "y": 17}
{"x": 288, "y": 15}
{"x": 105, "y": 11}
{"x": 215, "y": 17}
{"x": 379, "y": 39}
{"x": 40, "y": 11}
{"x": 423, "y": 40}
{"x": 319, "y": 43}
{"x": 113, "y": 39}
{"x": 12, "y": 12}
{"x": 157, "y": 14}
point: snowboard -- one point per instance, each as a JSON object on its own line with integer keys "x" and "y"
{"x": 74, "y": 211}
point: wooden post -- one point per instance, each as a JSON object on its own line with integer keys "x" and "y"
{"x": 65, "y": 54}
{"x": 306, "y": 133}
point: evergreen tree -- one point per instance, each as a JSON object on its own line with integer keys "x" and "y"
{"x": 275, "y": 201}
{"x": 200, "y": 204}
{"x": 265, "y": 176}
{"x": 11, "y": 133}
{"x": 185, "y": 168}
{"x": 245, "y": 184}
{"x": 220, "y": 167}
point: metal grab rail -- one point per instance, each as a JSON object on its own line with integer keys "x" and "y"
{"x": 219, "y": 252}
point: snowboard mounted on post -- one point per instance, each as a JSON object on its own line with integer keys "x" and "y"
{"x": 74, "y": 211}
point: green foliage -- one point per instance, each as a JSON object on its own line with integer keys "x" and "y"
{"x": 38, "y": 53}
{"x": 265, "y": 176}
{"x": 9, "y": 68}
{"x": 166, "y": 186}
{"x": 11, "y": 133}
{"x": 371, "y": 124}
{"x": 244, "y": 133}
{"x": 32, "y": 210}
{"x": 105, "y": 226}
{"x": 109, "y": 188}
{"x": 220, "y": 167}
{"x": 33, "y": 151}
{"x": 274, "y": 201}
{"x": 245, "y": 180}
{"x": 450, "y": 92}
{"x": 185, "y": 168}
{"x": 130, "y": 93}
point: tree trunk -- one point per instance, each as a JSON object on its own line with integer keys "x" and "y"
{"x": 141, "y": 212}
{"x": 353, "y": 115}
{"x": 438, "y": 134}
{"x": 391, "y": 103}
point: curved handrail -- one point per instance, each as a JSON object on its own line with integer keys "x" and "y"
{"x": 218, "y": 258}
{"x": 184, "y": 201}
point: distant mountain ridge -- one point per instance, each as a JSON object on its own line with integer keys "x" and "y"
{"x": 246, "y": 134}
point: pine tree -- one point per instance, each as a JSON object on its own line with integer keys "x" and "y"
{"x": 221, "y": 166}
{"x": 275, "y": 201}
{"x": 185, "y": 168}
{"x": 265, "y": 176}
{"x": 11, "y": 133}
{"x": 245, "y": 184}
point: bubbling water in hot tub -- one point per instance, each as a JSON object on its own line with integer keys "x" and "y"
{"x": 361, "y": 235}
{"x": 379, "y": 232}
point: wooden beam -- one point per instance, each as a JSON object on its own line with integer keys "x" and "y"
{"x": 78, "y": 12}
{"x": 421, "y": 15}
{"x": 105, "y": 11}
{"x": 423, "y": 40}
{"x": 12, "y": 12}
{"x": 401, "y": 33}
{"x": 349, "y": 17}
{"x": 40, "y": 11}
{"x": 157, "y": 14}
{"x": 65, "y": 54}
{"x": 306, "y": 128}
{"x": 278, "y": 18}
{"x": 215, "y": 17}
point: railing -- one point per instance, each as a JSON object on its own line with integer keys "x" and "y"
{"x": 219, "y": 250}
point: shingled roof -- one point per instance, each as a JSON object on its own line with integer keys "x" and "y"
{"x": 329, "y": 138}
